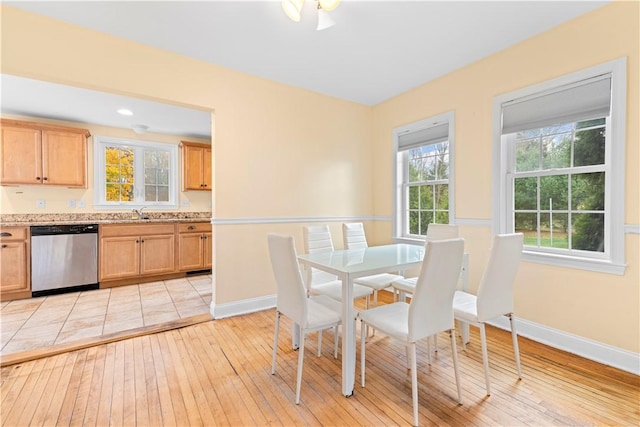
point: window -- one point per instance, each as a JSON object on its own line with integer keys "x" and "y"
{"x": 424, "y": 172}
{"x": 135, "y": 173}
{"x": 561, "y": 176}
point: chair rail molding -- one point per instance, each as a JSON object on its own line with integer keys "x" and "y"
{"x": 295, "y": 219}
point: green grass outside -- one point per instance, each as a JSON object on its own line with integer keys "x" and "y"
{"x": 560, "y": 240}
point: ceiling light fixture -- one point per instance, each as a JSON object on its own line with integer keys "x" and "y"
{"x": 140, "y": 129}
{"x": 125, "y": 112}
{"x": 293, "y": 8}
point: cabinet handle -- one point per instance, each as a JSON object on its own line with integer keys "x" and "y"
{"x": 142, "y": 240}
{"x": 204, "y": 185}
{"x": 5, "y": 234}
{"x": 4, "y": 246}
{"x": 44, "y": 179}
{"x": 137, "y": 241}
{"x": 37, "y": 178}
{"x": 191, "y": 227}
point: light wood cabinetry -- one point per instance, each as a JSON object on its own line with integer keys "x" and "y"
{"x": 14, "y": 263}
{"x": 39, "y": 154}
{"x": 194, "y": 246}
{"x": 136, "y": 250}
{"x": 196, "y": 166}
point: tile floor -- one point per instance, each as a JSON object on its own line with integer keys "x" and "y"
{"x": 35, "y": 323}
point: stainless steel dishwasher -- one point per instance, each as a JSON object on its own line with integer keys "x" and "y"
{"x": 64, "y": 258}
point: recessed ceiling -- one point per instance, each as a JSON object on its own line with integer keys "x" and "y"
{"x": 376, "y": 50}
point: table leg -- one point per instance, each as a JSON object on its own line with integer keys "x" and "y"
{"x": 348, "y": 337}
{"x": 295, "y": 336}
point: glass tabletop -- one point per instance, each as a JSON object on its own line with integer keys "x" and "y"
{"x": 367, "y": 259}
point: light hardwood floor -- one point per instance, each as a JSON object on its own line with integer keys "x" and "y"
{"x": 218, "y": 373}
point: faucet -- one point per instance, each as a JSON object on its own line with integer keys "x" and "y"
{"x": 138, "y": 212}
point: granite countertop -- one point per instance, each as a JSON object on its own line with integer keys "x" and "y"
{"x": 13, "y": 220}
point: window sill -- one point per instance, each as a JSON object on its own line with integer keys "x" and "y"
{"x": 121, "y": 207}
{"x": 600, "y": 266}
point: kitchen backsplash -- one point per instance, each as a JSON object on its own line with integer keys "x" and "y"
{"x": 102, "y": 216}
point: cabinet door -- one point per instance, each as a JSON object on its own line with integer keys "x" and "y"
{"x": 206, "y": 169}
{"x": 208, "y": 250}
{"x": 64, "y": 158}
{"x": 157, "y": 254}
{"x": 21, "y": 155}
{"x": 190, "y": 251}
{"x": 119, "y": 257}
{"x": 13, "y": 267}
{"x": 192, "y": 168}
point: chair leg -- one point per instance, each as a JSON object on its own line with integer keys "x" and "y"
{"x": 516, "y": 349}
{"x": 408, "y": 355}
{"x": 363, "y": 332}
{"x": 275, "y": 343}
{"x": 335, "y": 342}
{"x": 429, "y": 350}
{"x": 454, "y": 352}
{"x": 319, "y": 343}
{"x": 300, "y": 364}
{"x": 485, "y": 357}
{"x": 414, "y": 382}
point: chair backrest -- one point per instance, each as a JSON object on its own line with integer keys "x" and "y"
{"x": 353, "y": 236}
{"x": 495, "y": 292}
{"x": 317, "y": 239}
{"x": 441, "y": 232}
{"x": 291, "y": 294}
{"x": 431, "y": 308}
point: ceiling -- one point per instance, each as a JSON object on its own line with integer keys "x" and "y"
{"x": 376, "y": 50}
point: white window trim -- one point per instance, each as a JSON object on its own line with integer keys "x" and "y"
{"x": 398, "y": 170}
{"x": 99, "y": 196}
{"x": 615, "y": 188}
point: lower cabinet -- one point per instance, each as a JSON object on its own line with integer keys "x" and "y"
{"x": 14, "y": 263}
{"x": 136, "y": 250}
{"x": 194, "y": 246}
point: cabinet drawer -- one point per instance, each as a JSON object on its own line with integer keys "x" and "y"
{"x": 194, "y": 227}
{"x": 14, "y": 233}
{"x": 109, "y": 230}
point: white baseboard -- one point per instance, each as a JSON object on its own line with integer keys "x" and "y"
{"x": 236, "y": 308}
{"x": 584, "y": 347}
{"x": 589, "y": 349}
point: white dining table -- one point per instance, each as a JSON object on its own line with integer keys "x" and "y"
{"x": 351, "y": 264}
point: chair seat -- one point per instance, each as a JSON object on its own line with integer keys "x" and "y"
{"x": 390, "y": 319}
{"x": 333, "y": 290}
{"x": 324, "y": 312}
{"x": 405, "y": 285}
{"x": 378, "y": 281}
{"x": 465, "y": 306}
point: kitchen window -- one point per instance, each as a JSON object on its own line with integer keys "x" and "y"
{"x": 424, "y": 176}
{"x": 561, "y": 175}
{"x": 135, "y": 173}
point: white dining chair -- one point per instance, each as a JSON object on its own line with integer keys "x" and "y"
{"x": 495, "y": 295}
{"x": 315, "y": 313}
{"x": 404, "y": 286}
{"x": 317, "y": 239}
{"x": 354, "y": 237}
{"x": 430, "y": 311}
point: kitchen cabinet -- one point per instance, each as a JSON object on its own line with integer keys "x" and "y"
{"x": 136, "y": 250}
{"x": 39, "y": 154}
{"x": 14, "y": 263}
{"x": 196, "y": 166}
{"x": 194, "y": 246}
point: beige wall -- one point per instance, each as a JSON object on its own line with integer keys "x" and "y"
{"x": 280, "y": 151}
{"x": 602, "y": 307}
{"x": 22, "y": 199}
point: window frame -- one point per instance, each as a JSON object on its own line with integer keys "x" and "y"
{"x": 612, "y": 261}
{"x": 99, "y": 145}
{"x": 400, "y": 173}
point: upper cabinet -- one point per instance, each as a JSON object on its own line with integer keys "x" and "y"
{"x": 40, "y": 154}
{"x": 196, "y": 166}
